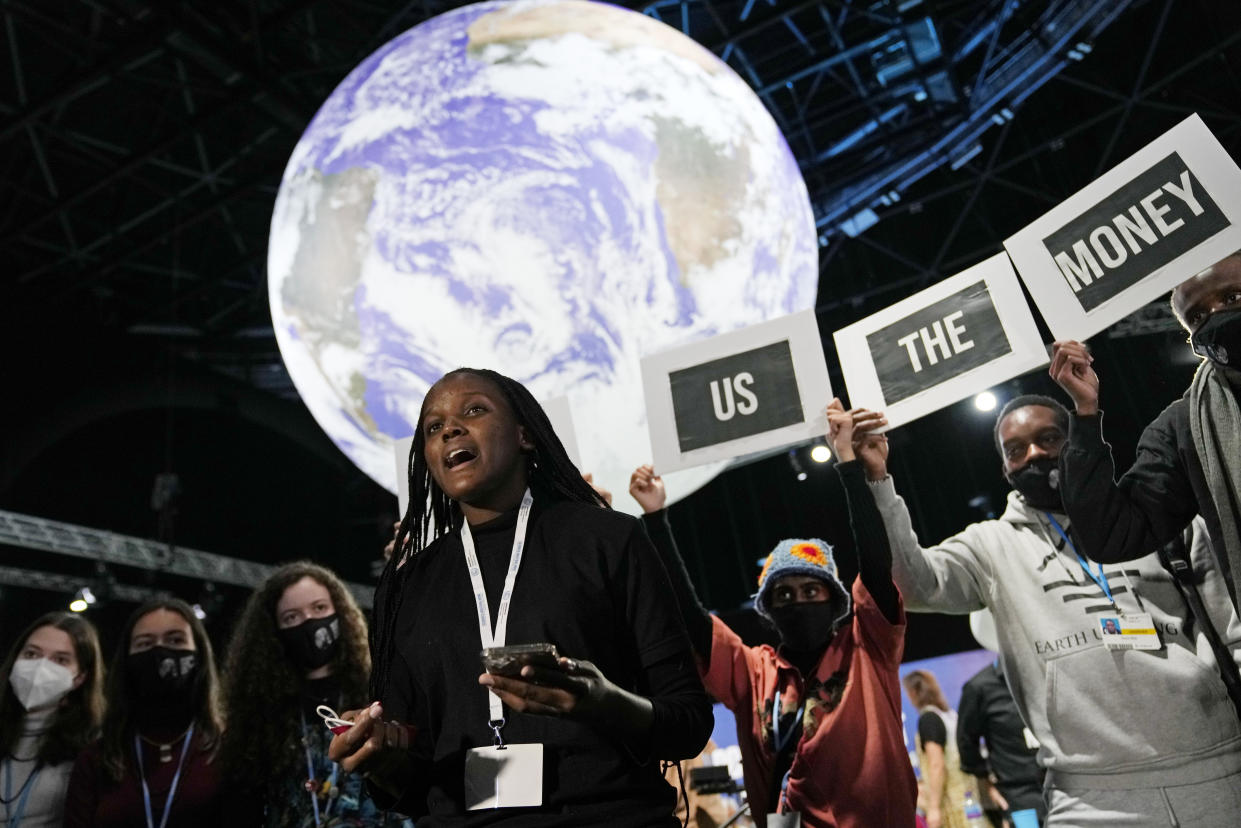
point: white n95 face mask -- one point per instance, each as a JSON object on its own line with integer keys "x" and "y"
{"x": 38, "y": 682}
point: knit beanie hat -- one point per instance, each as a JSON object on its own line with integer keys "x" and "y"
{"x": 798, "y": 556}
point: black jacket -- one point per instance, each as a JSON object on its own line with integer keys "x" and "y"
{"x": 1120, "y": 520}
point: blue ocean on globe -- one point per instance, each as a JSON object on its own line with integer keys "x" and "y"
{"x": 549, "y": 189}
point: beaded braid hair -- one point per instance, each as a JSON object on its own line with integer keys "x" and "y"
{"x": 432, "y": 514}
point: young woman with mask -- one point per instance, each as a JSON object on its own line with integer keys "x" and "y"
{"x": 51, "y": 704}
{"x": 819, "y": 718}
{"x": 502, "y": 529}
{"x": 155, "y": 764}
{"x": 300, "y": 643}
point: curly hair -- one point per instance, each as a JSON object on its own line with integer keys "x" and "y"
{"x": 118, "y": 727}
{"x": 432, "y": 513}
{"x": 263, "y": 688}
{"x": 79, "y": 715}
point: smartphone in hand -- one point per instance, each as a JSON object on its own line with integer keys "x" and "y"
{"x": 508, "y": 660}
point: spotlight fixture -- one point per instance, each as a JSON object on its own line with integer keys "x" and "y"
{"x": 820, "y": 453}
{"x": 82, "y": 599}
{"x": 795, "y": 463}
{"x": 985, "y": 401}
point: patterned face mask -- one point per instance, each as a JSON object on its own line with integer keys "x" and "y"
{"x": 312, "y": 643}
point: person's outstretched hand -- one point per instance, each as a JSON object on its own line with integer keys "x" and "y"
{"x": 1072, "y": 371}
{"x": 374, "y": 746}
{"x": 573, "y": 689}
{"x": 648, "y": 489}
{"x": 853, "y": 437}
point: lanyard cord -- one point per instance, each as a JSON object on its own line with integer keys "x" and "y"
{"x": 14, "y": 819}
{"x": 172, "y": 791}
{"x": 781, "y": 741}
{"x": 310, "y": 775}
{"x": 485, "y": 633}
{"x": 1100, "y": 579}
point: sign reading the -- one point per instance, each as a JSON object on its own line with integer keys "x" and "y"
{"x": 938, "y": 342}
{"x": 940, "y": 345}
{"x": 1157, "y": 218}
{"x": 738, "y": 393}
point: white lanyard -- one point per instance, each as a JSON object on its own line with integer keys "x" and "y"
{"x": 496, "y": 638}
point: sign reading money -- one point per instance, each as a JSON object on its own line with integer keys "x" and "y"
{"x": 1165, "y": 213}
{"x": 738, "y": 393}
{"x": 940, "y": 345}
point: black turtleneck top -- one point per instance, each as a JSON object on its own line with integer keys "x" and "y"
{"x": 591, "y": 584}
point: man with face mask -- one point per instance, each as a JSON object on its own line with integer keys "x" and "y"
{"x": 1130, "y": 736}
{"x": 1188, "y": 460}
{"x": 819, "y": 716}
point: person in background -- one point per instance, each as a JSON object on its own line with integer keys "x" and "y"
{"x": 1008, "y": 775}
{"x": 1188, "y": 459}
{"x": 943, "y": 784}
{"x": 818, "y": 719}
{"x": 300, "y": 643}
{"x": 1128, "y": 738}
{"x": 155, "y": 762}
{"x": 497, "y": 509}
{"x": 51, "y": 706}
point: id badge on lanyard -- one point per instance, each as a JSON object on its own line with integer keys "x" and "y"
{"x": 500, "y": 776}
{"x": 1126, "y": 630}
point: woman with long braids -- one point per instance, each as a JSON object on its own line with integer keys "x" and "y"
{"x": 300, "y": 643}
{"x": 504, "y": 543}
{"x": 51, "y": 704}
{"x": 155, "y": 764}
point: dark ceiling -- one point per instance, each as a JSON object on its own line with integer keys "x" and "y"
{"x": 142, "y": 144}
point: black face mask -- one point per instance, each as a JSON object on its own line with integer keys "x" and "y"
{"x": 1039, "y": 483}
{"x": 312, "y": 643}
{"x": 1219, "y": 338}
{"x": 807, "y": 626}
{"x": 162, "y": 677}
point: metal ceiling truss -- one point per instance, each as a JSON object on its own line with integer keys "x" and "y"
{"x": 141, "y": 143}
{"x": 31, "y": 532}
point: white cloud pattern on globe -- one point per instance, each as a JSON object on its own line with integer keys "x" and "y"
{"x": 548, "y": 189}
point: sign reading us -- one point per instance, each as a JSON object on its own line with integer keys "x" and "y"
{"x": 1143, "y": 225}
{"x": 736, "y": 396}
{"x": 938, "y": 342}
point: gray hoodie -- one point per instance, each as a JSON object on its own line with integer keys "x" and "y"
{"x": 1107, "y": 719}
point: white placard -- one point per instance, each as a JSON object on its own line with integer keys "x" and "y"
{"x": 1170, "y": 210}
{"x": 400, "y": 451}
{"x": 738, "y": 393}
{"x": 561, "y": 415}
{"x": 942, "y": 344}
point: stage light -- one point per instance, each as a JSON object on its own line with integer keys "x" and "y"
{"x": 985, "y": 401}
{"x": 82, "y": 599}
{"x": 795, "y": 462}
{"x": 820, "y": 453}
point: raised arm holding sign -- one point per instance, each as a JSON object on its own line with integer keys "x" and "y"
{"x": 1188, "y": 459}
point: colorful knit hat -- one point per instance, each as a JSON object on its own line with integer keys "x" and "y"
{"x": 798, "y": 556}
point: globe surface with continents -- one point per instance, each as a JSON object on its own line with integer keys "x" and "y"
{"x": 548, "y": 189}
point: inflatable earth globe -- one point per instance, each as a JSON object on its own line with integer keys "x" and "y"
{"x": 551, "y": 189}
